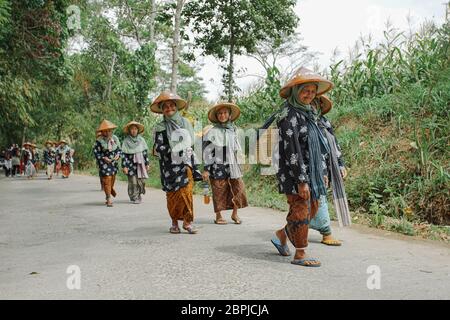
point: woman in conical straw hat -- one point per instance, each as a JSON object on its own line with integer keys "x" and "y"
{"x": 301, "y": 167}
{"x": 221, "y": 151}
{"x": 49, "y": 158}
{"x": 107, "y": 153}
{"x": 135, "y": 162}
{"x": 28, "y": 160}
{"x": 174, "y": 138}
{"x": 336, "y": 173}
{"x": 64, "y": 156}
{"x": 36, "y": 157}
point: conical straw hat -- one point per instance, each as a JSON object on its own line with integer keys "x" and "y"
{"x": 234, "y": 109}
{"x": 166, "y": 96}
{"x": 106, "y": 125}
{"x": 323, "y": 103}
{"x": 133, "y": 123}
{"x": 303, "y": 76}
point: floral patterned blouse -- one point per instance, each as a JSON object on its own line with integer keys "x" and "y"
{"x": 173, "y": 175}
{"x": 128, "y": 162}
{"x": 216, "y": 166}
{"x": 106, "y": 169}
{"x": 49, "y": 156}
{"x": 293, "y": 154}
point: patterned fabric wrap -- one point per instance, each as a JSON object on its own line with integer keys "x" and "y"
{"x": 300, "y": 213}
{"x": 228, "y": 193}
{"x": 180, "y": 203}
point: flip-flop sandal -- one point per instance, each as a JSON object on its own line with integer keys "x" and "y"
{"x": 220, "y": 221}
{"x": 190, "y": 230}
{"x": 174, "y": 230}
{"x": 283, "y": 250}
{"x": 301, "y": 262}
{"x": 334, "y": 242}
{"x": 237, "y": 221}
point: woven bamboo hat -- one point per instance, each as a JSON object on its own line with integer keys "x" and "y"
{"x": 26, "y": 144}
{"x": 303, "y": 76}
{"x": 166, "y": 96}
{"x": 63, "y": 141}
{"x": 323, "y": 103}
{"x": 133, "y": 123}
{"x": 235, "y": 112}
{"x": 49, "y": 142}
{"x": 106, "y": 125}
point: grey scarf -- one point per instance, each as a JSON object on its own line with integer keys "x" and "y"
{"x": 173, "y": 124}
{"x": 224, "y": 135}
{"x": 132, "y": 145}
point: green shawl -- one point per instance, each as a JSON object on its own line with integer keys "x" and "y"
{"x": 104, "y": 142}
{"x": 173, "y": 123}
{"x": 133, "y": 145}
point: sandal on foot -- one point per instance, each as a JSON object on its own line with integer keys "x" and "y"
{"x": 283, "y": 250}
{"x": 190, "y": 230}
{"x": 332, "y": 242}
{"x": 220, "y": 221}
{"x": 236, "y": 220}
{"x": 302, "y": 262}
{"x": 174, "y": 230}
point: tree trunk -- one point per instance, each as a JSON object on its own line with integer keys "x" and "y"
{"x": 230, "y": 84}
{"x": 176, "y": 46}
{"x": 108, "y": 91}
{"x": 152, "y": 20}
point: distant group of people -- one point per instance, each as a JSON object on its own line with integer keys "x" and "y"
{"x": 27, "y": 160}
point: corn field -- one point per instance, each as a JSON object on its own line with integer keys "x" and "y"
{"x": 401, "y": 59}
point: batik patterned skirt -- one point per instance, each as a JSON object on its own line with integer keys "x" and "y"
{"x": 300, "y": 214}
{"x": 180, "y": 203}
{"x": 228, "y": 194}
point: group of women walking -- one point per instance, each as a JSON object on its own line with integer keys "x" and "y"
{"x": 309, "y": 160}
{"x": 56, "y": 156}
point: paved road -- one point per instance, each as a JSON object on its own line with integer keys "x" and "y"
{"x": 126, "y": 252}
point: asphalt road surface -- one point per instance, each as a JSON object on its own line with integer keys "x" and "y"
{"x": 59, "y": 241}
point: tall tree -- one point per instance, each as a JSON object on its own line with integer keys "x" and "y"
{"x": 176, "y": 45}
{"x": 226, "y": 28}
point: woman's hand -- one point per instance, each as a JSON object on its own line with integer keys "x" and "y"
{"x": 125, "y": 170}
{"x": 117, "y": 157}
{"x": 147, "y": 168}
{"x": 303, "y": 191}
{"x": 205, "y": 175}
{"x": 107, "y": 160}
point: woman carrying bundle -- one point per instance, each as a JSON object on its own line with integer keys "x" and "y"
{"x": 302, "y": 151}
